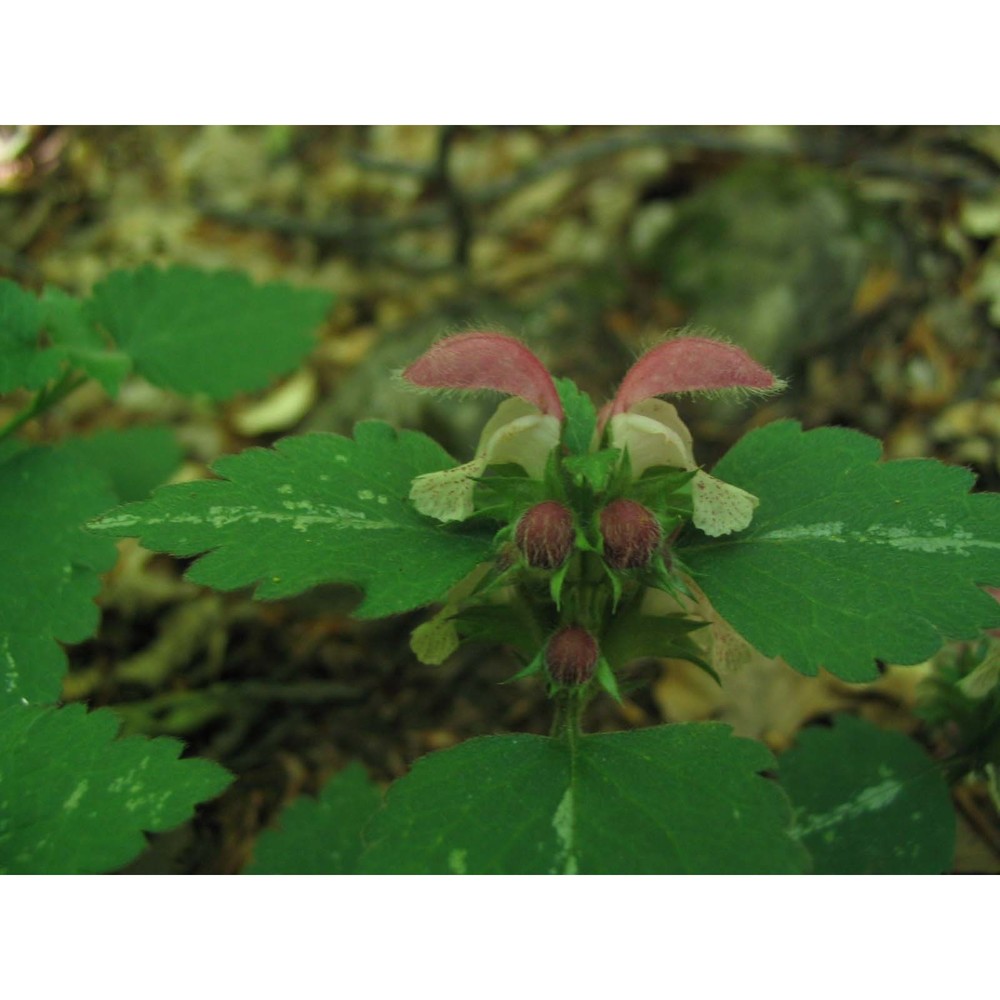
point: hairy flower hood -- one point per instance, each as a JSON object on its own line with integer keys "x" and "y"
{"x": 652, "y": 433}
{"x": 526, "y": 427}
{"x": 494, "y": 361}
{"x": 523, "y": 431}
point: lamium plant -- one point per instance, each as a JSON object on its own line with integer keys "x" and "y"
{"x": 583, "y": 539}
{"x": 579, "y": 538}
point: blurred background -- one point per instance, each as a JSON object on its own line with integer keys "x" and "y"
{"x": 861, "y": 263}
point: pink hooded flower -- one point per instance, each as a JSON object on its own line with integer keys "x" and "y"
{"x": 526, "y": 427}
{"x": 652, "y": 433}
{"x": 523, "y": 431}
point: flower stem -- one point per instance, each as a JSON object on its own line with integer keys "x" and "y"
{"x": 569, "y": 707}
{"x": 44, "y": 400}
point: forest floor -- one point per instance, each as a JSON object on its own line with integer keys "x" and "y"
{"x": 863, "y": 264}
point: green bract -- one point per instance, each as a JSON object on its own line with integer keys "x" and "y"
{"x": 580, "y": 417}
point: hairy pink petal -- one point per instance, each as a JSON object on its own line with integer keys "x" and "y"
{"x": 691, "y": 364}
{"x": 487, "y": 361}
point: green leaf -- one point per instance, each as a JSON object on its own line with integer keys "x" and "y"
{"x": 664, "y": 490}
{"x": 594, "y": 469}
{"x": 314, "y": 509}
{"x": 633, "y": 635}
{"x": 672, "y": 799}
{"x": 207, "y": 332}
{"x": 868, "y": 802}
{"x": 49, "y": 573}
{"x": 503, "y": 624}
{"x": 76, "y": 800}
{"x": 136, "y": 460}
{"x": 80, "y": 342}
{"x": 506, "y": 497}
{"x": 849, "y": 559}
{"x": 320, "y": 836}
{"x": 581, "y": 417}
{"x": 607, "y": 680}
{"x": 23, "y": 363}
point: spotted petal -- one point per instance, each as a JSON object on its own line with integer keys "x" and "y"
{"x": 447, "y": 495}
{"x": 719, "y": 508}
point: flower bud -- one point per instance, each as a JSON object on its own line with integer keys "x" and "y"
{"x": 571, "y": 656}
{"x": 545, "y": 535}
{"x": 631, "y": 534}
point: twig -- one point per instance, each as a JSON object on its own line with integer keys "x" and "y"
{"x": 454, "y": 202}
{"x": 44, "y": 400}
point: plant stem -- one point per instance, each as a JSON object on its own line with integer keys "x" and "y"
{"x": 569, "y": 707}
{"x": 46, "y": 398}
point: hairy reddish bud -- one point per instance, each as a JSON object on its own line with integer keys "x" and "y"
{"x": 571, "y": 656}
{"x": 545, "y": 535}
{"x": 631, "y": 534}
